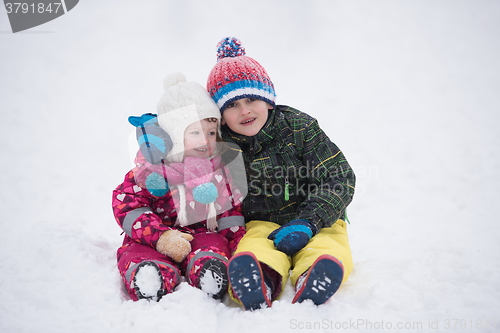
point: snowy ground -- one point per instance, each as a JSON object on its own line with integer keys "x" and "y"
{"x": 408, "y": 89}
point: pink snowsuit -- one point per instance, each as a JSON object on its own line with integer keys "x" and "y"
{"x": 144, "y": 217}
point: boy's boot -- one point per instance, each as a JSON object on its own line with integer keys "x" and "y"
{"x": 320, "y": 281}
{"x": 248, "y": 281}
{"x": 213, "y": 278}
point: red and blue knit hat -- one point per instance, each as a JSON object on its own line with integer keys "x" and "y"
{"x": 237, "y": 76}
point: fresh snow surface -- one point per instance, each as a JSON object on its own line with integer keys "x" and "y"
{"x": 409, "y": 90}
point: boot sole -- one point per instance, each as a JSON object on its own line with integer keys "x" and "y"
{"x": 322, "y": 280}
{"x": 222, "y": 270}
{"x": 247, "y": 281}
{"x": 161, "y": 292}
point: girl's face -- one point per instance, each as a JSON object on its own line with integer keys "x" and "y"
{"x": 246, "y": 116}
{"x": 200, "y": 139}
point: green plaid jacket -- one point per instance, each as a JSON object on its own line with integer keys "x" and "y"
{"x": 293, "y": 171}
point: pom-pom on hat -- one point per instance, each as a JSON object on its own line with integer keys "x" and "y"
{"x": 182, "y": 104}
{"x": 237, "y": 76}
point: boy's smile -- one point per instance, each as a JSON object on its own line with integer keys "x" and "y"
{"x": 246, "y": 116}
{"x": 248, "y": 121}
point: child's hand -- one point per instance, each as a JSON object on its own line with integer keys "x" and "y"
{"x": 174, "y": 244}
{"x": 293, "y": 236}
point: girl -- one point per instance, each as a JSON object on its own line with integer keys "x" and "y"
{"x": 180, "y": 192}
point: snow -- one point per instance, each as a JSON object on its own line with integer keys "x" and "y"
{"x": 211, "y": 282}
{"x": 408, "y": 89}
{"x": 148, "y": 280}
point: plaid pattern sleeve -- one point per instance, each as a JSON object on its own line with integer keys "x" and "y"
{"x": 331, "y": 180}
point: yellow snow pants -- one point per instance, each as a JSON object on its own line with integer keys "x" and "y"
{"x": 333, "y": 241}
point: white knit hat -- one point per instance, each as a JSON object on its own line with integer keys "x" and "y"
{"x": 182, "y": 104}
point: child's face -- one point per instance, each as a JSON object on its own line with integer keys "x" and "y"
{"x": 200, "y": 139}
{"x": 246, "y": 116}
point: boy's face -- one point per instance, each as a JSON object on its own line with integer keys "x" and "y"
{"x": 246, "y": 116}
{"x": 200, "y": 139}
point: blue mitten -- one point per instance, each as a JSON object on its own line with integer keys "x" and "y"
{"x": 293, "y": 236}
{"x": 154, "y": 142}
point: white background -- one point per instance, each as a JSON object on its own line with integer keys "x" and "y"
{"x": 409, "y": 90}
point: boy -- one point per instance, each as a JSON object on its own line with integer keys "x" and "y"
{"x": 299, "y": 186}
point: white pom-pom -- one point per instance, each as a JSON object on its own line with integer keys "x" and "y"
{"x": 173, "y": 79}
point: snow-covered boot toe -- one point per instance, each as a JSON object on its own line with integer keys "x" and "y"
{"x": 247, "y": 281}
{"x": 213, "y": 278}
{"x": 321, "y": 281}
{"x": 148, "y": 281}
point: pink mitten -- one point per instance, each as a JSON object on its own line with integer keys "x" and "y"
{"x": 174, "y": 244}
